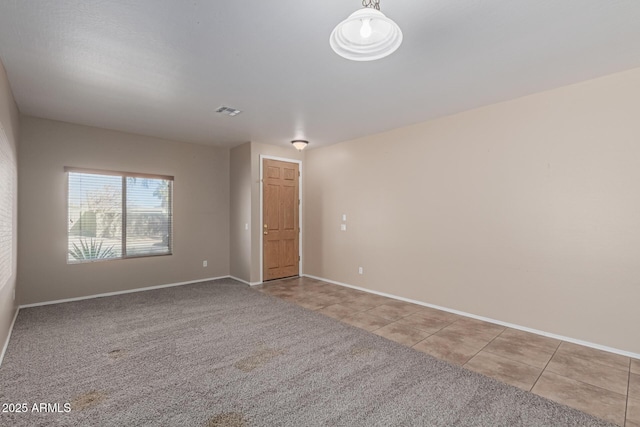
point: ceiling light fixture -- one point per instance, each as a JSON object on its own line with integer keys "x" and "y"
{"x": 366, "y": 35}
{"x": 300, "y": 144}
{"x": 228, "y": 111}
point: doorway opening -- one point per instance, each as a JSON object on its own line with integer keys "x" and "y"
{"x": 280, "y": 204}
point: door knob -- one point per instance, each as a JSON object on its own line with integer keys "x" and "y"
{"x": 265, "y": 229}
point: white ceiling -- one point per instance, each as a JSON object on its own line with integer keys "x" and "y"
{"x": 161, "y": 67}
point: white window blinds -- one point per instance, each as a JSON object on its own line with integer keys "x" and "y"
{"x": 7, "y": 197}
{"x": 118, "y": 215}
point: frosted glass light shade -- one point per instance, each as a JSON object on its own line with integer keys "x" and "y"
{"x": 300, "y": 144}
{"x": 350, "y": 40}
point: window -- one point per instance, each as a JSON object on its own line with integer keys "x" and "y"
{"x": 7, "y": 195}
{"x": 114, "y": 215}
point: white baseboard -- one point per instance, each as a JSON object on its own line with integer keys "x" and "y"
{"x": 245, "y": 282}
{"x": 240, "y": 280}
{"x": 6, "y": 342}
{"x": 487, "y": 319}
{"x": 106, "y": 294}
{"x": 128, "y": 291}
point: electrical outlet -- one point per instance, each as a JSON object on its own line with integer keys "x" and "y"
{"x": 204, "y": 263}
{"x": 360, "y": 270}
{"x": 343, "y": 227}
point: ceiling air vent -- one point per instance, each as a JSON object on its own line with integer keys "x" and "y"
{"x": 228, "y": 111}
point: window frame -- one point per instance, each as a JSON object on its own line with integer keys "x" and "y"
{"x": 124, "y": 176}
{"x": 12, "y": 169}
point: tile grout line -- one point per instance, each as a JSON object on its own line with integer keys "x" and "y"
{"x": 433, "y": 333}
{"x": 586, "y": 384}
{"x": 419, "y": 330}
{"x": 377, "y": 329}
{"x": 546, "y": 365}
{"x": 524, "y": 363}
{"x": 408, "y": 327}
{"x": 402, "y": 317}
{"x": 626, "y": 402}
{"x": 361, "y": 311}
{"x": 485, "y": 346}
{"x": 390, "y": 321}
{"x": 556, "y": 336}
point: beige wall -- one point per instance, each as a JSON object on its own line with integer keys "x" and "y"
{"x": 526, "y": 211}
{"x": 258, "y": 149}
{"x": 201, "y": 209}
{"x": 240, "y": 212}
{"x": 9, "y": 120}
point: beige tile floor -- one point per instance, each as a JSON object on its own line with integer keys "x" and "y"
{"x": 603, "y": 384}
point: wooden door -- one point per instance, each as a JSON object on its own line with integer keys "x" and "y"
{"x": 280, "y": 208}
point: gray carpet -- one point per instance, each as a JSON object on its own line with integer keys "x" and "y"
{"x": 219, "y": 353}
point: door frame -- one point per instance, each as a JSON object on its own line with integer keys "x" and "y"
{"x": 281, "y": 159}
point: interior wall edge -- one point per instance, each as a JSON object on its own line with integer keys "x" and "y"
{"x": 11, "y": 124}
{"x": 524, "y": 211}
{"x": 126, "y": 291}
{"x": 240, "y": 280}
{"x": 259, "y": 149}
{"x": 200, "y": 215}
{"x": 485, "y": 319}
{"x": 240, "y": 212}
{"x": 6, "y": 341}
